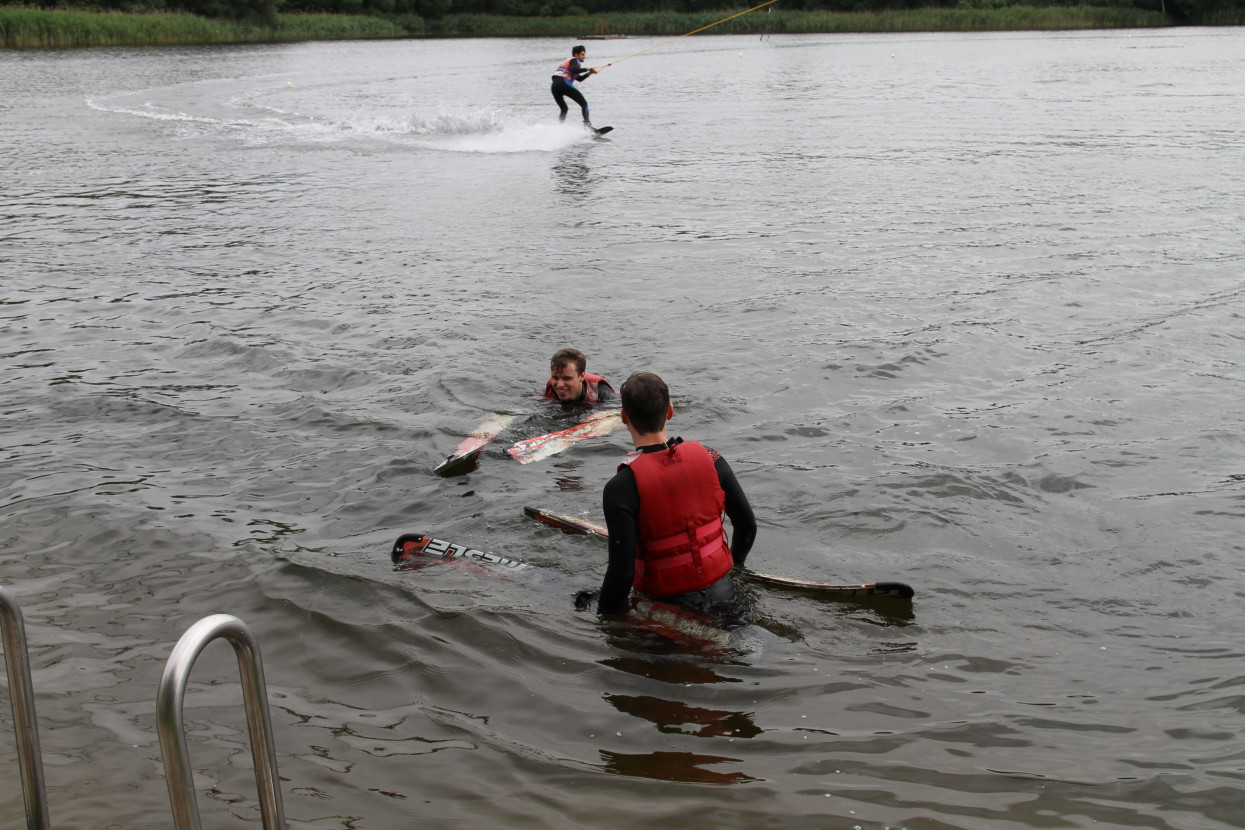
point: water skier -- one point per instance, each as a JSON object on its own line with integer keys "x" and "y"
{"x": 564, "y": 77}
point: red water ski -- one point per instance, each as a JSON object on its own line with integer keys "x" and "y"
{"x": 542, "y": 446}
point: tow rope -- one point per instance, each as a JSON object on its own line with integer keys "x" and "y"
{"x": 680, "y": 37}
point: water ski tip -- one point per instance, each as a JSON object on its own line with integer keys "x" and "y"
{"x": 458, "y": 463}
{"x": 602, "y": 131}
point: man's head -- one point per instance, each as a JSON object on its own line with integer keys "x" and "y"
{"x": 566, "y": 370}
{"x": 646, "y": 402}
{"x": 578, "y": 51}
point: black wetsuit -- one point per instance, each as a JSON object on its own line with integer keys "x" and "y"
{"x": 562, "y": 89}
{"x": 621, "y": 503}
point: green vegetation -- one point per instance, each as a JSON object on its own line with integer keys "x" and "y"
{"x": 132, "y": 22}
{"x": 668, "y": 24}
{"x": 21, "y": 27}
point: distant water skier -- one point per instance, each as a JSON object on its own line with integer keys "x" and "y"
{"x": 564, "y": 77}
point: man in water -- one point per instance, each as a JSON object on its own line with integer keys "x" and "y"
{"x": 664, "y": 510}
{"x": 571, "y": 385}
{"x": 564, "y": 77}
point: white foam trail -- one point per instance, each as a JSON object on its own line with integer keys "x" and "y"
{"x": 485, "y": 130}
{"x": 482, "y": 131}
{"x": 522, "y": 138}
{"x": 149, "y": 111}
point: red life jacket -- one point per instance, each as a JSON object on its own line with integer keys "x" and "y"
{"x": 591, "y": 382}
{"x": 682, "y": 545}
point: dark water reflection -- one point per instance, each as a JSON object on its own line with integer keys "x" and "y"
{"x": 675, "y": 716}
{"x": 673, "y": 766}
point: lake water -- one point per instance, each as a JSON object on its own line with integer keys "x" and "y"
{"x": 961, "y": 310}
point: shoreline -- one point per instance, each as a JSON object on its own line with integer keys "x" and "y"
{"x": 27, "y": 28}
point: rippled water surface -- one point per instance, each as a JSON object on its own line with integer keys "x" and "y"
{"x": 966, "y": 311}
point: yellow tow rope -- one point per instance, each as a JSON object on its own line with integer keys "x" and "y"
{"x": 694, "y": 31}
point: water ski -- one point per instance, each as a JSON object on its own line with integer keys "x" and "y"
{"x": 596, "y": 425}
{"x": 869, "y": 590}
{"x": 602, "y": 130}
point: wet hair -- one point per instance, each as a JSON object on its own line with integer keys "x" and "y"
{"x": 646, "y": 400}
{"x": 575, "y": 50}
{"x": 569, "y": 357}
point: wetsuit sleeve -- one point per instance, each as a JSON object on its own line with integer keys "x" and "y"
{"x": 605, "y": 392}
{"x": 620, "y": 502}
{"x": 577, "y": 71}
{"x": 743, "y": 522}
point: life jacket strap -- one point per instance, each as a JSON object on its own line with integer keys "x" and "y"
{"x": 696, "y": 539}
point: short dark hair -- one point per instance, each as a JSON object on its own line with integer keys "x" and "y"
{"x": 568, "y": 357}
{"x": 575, "y": 50}
{"x": 646, "y": 400}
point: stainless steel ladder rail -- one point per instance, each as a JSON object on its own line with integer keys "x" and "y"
{"x": 172, "y": 731}
{"x": 21, "y": 691}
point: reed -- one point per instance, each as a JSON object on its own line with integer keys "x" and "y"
{"x": 672, "y": 24}
{"x": 38, "y": 28}
{"x": 22, "y": 27}
{"x": 1010, "y": 18}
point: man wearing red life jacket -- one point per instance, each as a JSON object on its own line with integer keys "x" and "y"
{"x": 571, "y": 385}
{"x": 564, "y": 77}
{"x": 664, "y": 511}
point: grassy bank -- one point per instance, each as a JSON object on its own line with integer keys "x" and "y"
{"x": 669, "y": 24}
{"x": 25, "y": 28}
{"x": 22, "y": 27}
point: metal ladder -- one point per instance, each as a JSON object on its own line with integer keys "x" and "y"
{"x": 172, "y": 731}
{"x": 29, "y": 757}
{"x": 169, "y": 721}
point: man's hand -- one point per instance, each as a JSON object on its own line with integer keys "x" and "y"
{"x": 584, "y": 599}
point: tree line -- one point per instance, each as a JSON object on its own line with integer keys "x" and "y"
{"x": 1181, "y": 11}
